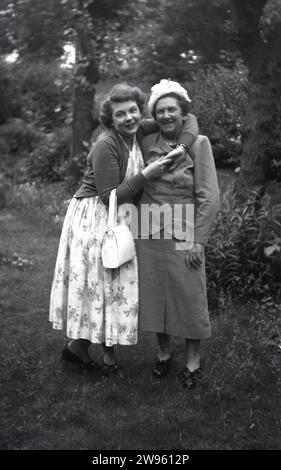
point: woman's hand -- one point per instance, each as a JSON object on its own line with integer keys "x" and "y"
{"x": 179, "y": 151}
{"x": 156, "y": 168}
{"x": 194, "y": 256}
{"x": 178, "y": 155}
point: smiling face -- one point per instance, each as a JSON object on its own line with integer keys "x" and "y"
{"x": 169, "y": 116}
{"x": 126, "y": 118}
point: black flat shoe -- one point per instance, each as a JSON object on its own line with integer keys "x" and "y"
{"x": 69, "y": 356}
{"x": 162, "y": 368}
{"x": 190, "y": 379}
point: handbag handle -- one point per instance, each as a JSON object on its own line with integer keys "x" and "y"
{"x": 112, "y": 211}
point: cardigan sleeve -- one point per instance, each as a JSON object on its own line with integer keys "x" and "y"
{"x": 189, "y": 131}
{"x": 106, "y": 165}
{"x": 206, "y": 189}
{"x": 148, "y": 126}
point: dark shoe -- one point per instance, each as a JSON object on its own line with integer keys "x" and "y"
{"x": 190, "y": 379}
{"x": 162, "y": 368}
{"x": 109, "y": 370}
{"x": 69, "y": 356}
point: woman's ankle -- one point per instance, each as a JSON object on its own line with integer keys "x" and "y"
{"x": 193, "y": 365}
{"x": 164, "y": 356}
{"x": 80, "y": 347}
{"x": 108, "y": 355}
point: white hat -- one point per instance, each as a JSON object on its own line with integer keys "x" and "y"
{"x": 165, "y": 87}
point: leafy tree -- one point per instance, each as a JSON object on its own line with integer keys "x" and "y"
{"x": 38, "y": 30}
{"x": 94, "y": 25}
{"x": 198, "y": 34}
{"x": 186, "y": 35}
{"x": 162, "y": 38}
{"x": 35, "y": 28}
{"x": 257, "y": 35}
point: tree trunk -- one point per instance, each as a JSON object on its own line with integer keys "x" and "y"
{"x": 82, "y": 121}
{"x": 263, "y": 117}
{"x": 86, "y": 77}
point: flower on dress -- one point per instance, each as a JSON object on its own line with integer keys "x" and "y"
{"x": 122, "y": 329}
{"x": 73, "y": 276}
{"x": 72, "y": 312}
{"x": 84, "y": 321}
{"x": 119, "y": 297}
{"x": 59, "y": 313}
{"x": 132, "y": 336}
{"x": 133, "y": 311}
{"x": 92, "y": 292}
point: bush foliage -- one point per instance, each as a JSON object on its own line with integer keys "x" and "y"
{"x": 35, "y": 135}
{"x": 219, "y": 102}
{"x": 244, "y": 250}
{"x": 29, "y": 153}
{"x": 48, "y": 159}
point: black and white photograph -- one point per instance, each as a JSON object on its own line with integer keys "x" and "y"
{"x": 140, "y": 229}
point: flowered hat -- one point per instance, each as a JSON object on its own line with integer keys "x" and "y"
{"x": 165, "y": 87}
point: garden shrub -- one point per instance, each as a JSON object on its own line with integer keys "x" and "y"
{"x": 74, "y": 170}
{"x": 219, "y": 102}
{"x": 17, "y": 140}
{"x": 46, "y": 91}
{"x": 47, "y": 161}
{"x": 34, "y": 141}
{"x": 29, "y": 152}
{"x": 43, "y": 204}
{"x": 275, "y": 167}
{"x": 243, "y": 249}
{"x": 18, "y": 136}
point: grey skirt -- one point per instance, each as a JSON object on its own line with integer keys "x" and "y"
{"x": 173, "y": 297}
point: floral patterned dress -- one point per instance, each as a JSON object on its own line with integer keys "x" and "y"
{"x": 88, "y": 300}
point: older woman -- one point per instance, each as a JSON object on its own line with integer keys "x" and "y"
{"x": 94, "y": 304}
{"x": 173, "y": 298}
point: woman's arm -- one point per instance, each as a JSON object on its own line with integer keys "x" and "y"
{"x": 106, "y": 168}
{"x": 148, "y": 126}
{"x": 189, "y": 131}
{"x": 188, "y": 134}
{"x": 207, "y": 200}
{"x": 187, "y": 137}
{"x": 206, "y": 189}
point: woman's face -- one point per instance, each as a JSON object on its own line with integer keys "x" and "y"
{"x": 126, "y": 118}
{"x": 169, "y": 116}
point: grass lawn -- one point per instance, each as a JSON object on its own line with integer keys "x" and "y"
{"x": 46, "y": 404}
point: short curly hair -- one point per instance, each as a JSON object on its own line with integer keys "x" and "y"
{"x": 118, "y": 94}
{"x": 184, "y": 105}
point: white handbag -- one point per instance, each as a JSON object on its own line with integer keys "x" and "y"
{"x": 118, "y": 246}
